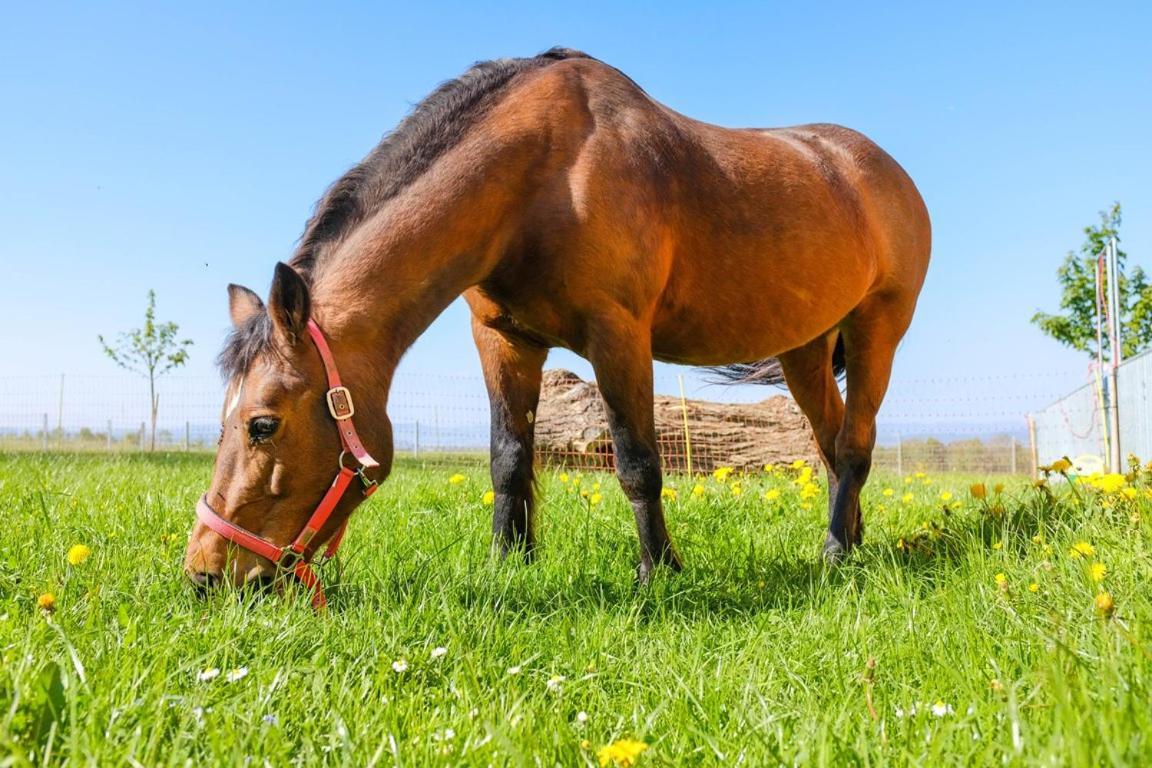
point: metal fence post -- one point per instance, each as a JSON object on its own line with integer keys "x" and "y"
{"x": 187, "y": 437}
{"x": 60, "y": 417}
{"x": 44, "y": 433}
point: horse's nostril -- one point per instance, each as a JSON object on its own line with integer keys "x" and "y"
{"x": 262, "y": 583}
{"x": 204, "y": 580}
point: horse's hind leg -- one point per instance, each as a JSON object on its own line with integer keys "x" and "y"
{"x": 512, "y": 370}
{"x": 871, "y": 334}
{"x": 812, "y": 382}
{"x": 621, "y": 354}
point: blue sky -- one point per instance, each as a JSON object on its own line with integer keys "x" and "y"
{"x": 181, "y": 148}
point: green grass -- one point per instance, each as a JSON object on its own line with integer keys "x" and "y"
{"x": 754, "y": 655}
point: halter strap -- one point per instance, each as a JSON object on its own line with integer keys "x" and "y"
{"x": 297, "y": 557}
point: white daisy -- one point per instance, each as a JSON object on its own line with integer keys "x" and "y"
{"x": 399, "y": 666}
{"x": 940, "y": 709}
{"x": 209, "y": 674}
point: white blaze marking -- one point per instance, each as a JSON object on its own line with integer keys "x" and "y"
{"x": 235, "y": 401}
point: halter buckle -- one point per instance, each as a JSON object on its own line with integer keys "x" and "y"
{"x": 340, "y": 403}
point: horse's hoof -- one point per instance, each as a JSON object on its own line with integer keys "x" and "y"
{"x": 834, "y": 552}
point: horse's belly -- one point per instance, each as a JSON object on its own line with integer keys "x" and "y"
{"x": 739, "y": 322}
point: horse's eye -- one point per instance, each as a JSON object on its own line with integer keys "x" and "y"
{"x": 262, "y": 428}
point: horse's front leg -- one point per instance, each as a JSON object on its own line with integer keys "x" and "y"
{"x": 621, "y": 354}
{"x": 512, "y": 370}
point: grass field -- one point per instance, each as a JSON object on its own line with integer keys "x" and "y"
{"x": 964, "y": 631}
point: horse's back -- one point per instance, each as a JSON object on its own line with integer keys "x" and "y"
{"x": 750, "y": 241}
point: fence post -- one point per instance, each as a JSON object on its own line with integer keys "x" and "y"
{"x": 1116, "y": 458}
{"x": 416, "y": 446}
{"x": 142, "y": 437}
{"x": 687, "y": 435}
{"x": 108, "y": 437}
{"x": 187, "y": 437}
{"x": 899, "y": 455}
{"x": 60, "y": 417}
{"x": 1013, "y": 455}
{"x": 1032, "y": 440}
{"x": 44, "y": 433}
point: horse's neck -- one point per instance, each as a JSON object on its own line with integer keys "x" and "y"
{"x": 389, "y": 279}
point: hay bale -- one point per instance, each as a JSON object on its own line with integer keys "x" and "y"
{"x": 572, "y": 429}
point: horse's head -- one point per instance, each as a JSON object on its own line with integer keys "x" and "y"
{"x": 282, "y": 440}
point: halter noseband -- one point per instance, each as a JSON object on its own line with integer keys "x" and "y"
{"x": 297, "y": 556}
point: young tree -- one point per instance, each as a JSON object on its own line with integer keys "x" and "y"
{"x": 1075, "y": 326}
{"x": 150, "y": 351}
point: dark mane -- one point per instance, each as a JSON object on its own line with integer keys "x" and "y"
{"x": 244, "y": 344}
{"x": 434, "y": 126}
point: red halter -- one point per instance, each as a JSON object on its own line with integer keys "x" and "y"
{"x": 297, "y": 556}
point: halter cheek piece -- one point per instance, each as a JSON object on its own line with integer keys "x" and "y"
{"x": 297, "y": 556}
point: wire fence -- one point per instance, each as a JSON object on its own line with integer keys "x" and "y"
{"x": 1078, "y": 425}
{"x": 977, "y": 424}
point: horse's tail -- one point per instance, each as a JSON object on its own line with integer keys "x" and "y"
{"x": 768, "y": 370}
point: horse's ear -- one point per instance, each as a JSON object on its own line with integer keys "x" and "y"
{"x": 242, "y": 304}
{"x": 289, "y": 304}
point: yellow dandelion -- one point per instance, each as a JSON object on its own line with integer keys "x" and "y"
{"x": 1061, "y": 465}
{"x": 907, "y": 498}
{"x": 1081, "y": 549}
{"x": 721, "y": 473}
{"x": 595, "y": 499}
{"x": 998, "y": 488}
{"x": 668, "y": 493}
{"x": 772, "y": 494}
{"x": 978, "y": 490}
{"x": 489, "y": 498}
{"x": 1105, "y": 606}
{"x": 804, "y": 477}
{"x": 799, "y": 464}
{"x": 1033, "y": 587}
{"x": 595, "y": 486}
{"x": 946, "y": 496}
{"x": 920, "y": 475}
{"x": 769, "y": 468}
{"x": 736, "y": 489}
{"x": 622, "y": 753}
{"x": 697, "y": 490}
{"x": 1098, "y": 571}
{"x": 889, "y": 492}
{"x": 46, "y": 602}
{"x": 563, "y": 477}
{"x": 998, "y": 545}
{"x": 1110, "y": 483}
{"x": 78, "y": 553}
{"x": 585, "y": 744}
{"x": 809, "y": 491}
{"x": 908, "y": 480}
{"x": 1001, "y": 579}
{"x": 1129, "y": 492}
{"x": 456, "y": 479}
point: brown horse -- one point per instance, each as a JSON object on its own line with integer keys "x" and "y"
{"x": 571, "y": 210}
